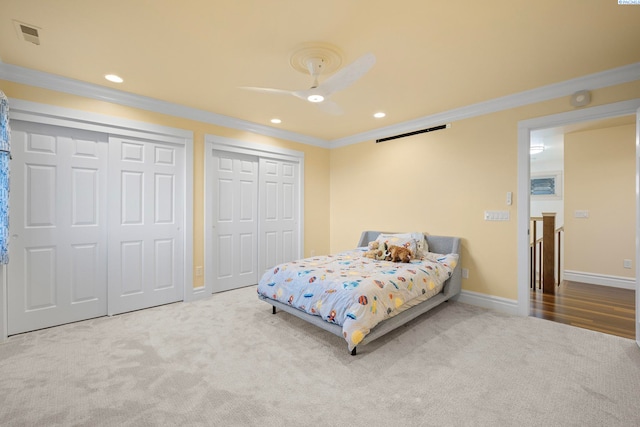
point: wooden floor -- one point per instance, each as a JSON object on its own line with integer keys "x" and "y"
{"x": 599, "y": 308}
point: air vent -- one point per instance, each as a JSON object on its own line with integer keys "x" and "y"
{"x": 27, "y": 32}
{"x": 417, "y": 132}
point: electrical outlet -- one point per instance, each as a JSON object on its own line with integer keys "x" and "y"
{"x": 198, "y": 271}
{"x": 626, "y": 263}
{"x": 465, "y": 273}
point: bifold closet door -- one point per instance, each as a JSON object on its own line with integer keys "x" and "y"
{"x": 146, "y": 220}
{"x": 235, "y": 220}
{"x": 57, "y": 271}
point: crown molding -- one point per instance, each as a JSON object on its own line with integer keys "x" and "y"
{"x": 86, "y": 120}
{"x": 89, "y": 90}
{"x": 615, "y": 76}
{"x": 599, "y": 80}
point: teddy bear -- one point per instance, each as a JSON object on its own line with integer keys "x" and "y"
{"x": 399, "y": 254}
{"x": 377, "y": 250}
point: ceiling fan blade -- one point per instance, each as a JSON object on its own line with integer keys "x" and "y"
{"x": 346, "y": 76}
{"x": 339, "y": 81}
{"x": 269, "y": 90}
{"x": 330, "y": 107}
{"x": 304, "y": 94}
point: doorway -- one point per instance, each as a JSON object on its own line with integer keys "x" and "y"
{"x": 524, "y": 141}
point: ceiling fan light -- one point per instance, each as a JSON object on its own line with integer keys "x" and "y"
{"x": 315, "y": 98}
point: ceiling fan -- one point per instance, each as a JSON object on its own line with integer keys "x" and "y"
{"x": 316, "y": 64}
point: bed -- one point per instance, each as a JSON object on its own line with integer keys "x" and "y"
{"x": 362, "y": 299}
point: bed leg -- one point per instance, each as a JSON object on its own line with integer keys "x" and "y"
{"x": 273, "y": 311}
{"x": 353, "y": 352}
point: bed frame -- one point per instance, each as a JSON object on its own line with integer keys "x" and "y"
{"x": 451, "y": 288}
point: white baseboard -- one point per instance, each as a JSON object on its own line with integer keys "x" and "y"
{"x": 600, "y": 279}
{"x": 509, "y": 306}
{"x": 503, "y": 305}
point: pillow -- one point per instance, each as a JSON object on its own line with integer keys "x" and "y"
{"x": 406, "y": 240}
{"x": 421, "y": 243}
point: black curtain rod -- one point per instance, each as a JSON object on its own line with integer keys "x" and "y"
{"x": 417, "y": 132}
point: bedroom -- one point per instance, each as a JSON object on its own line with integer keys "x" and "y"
{"x": 481, "y": 143}
{"x": 453, "y": 175}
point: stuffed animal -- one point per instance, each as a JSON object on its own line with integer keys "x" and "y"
{"x": 399, "y": 254}
{"x": 377, "y": 250}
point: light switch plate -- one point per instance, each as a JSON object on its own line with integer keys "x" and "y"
{"x": 581, "y": 214}
{"x": 496, "y": 215}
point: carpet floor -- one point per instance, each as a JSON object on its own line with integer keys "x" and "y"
{"x": 227, "y": 361}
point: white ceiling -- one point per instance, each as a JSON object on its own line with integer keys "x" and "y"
{"x": 432, "y": 56}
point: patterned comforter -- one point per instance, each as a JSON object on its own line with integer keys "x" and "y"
{"x": 353, "y": 291}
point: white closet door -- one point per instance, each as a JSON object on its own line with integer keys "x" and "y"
{"x": 235, "y": 209}
{"x": 279, "y": 212}
{"x": 146, "y": 243}
{"x": 58, "y": 249}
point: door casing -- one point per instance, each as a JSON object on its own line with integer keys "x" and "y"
{"x": 524, "y": 140}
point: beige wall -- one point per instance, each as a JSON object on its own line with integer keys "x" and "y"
{"x": 600, "y": 171}
{"x": 316, "y": 162}
{"x": 441, "y": 183}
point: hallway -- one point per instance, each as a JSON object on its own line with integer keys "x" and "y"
{"x": 598, "y": 308}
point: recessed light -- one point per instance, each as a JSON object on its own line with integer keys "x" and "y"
{"x": 379, "y": 115}
{"x": 113, "y": 78}
{"x": 276, "y": 121}
{"x": 536, "y": 148}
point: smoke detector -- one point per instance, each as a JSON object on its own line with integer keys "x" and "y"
{"x": 27, "y": 32}
{"x": 581, "y": 98}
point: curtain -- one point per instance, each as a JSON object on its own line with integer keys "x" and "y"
{"x": 5, "y": 156}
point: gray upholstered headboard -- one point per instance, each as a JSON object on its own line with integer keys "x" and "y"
{"x": 437, "y": 244}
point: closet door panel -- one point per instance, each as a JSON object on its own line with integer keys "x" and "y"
{"x": 57, "y": 272}
{"x": 146, "y": 240}
{"x": 279, "y": 211}
{"x": 235, "y": 225}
